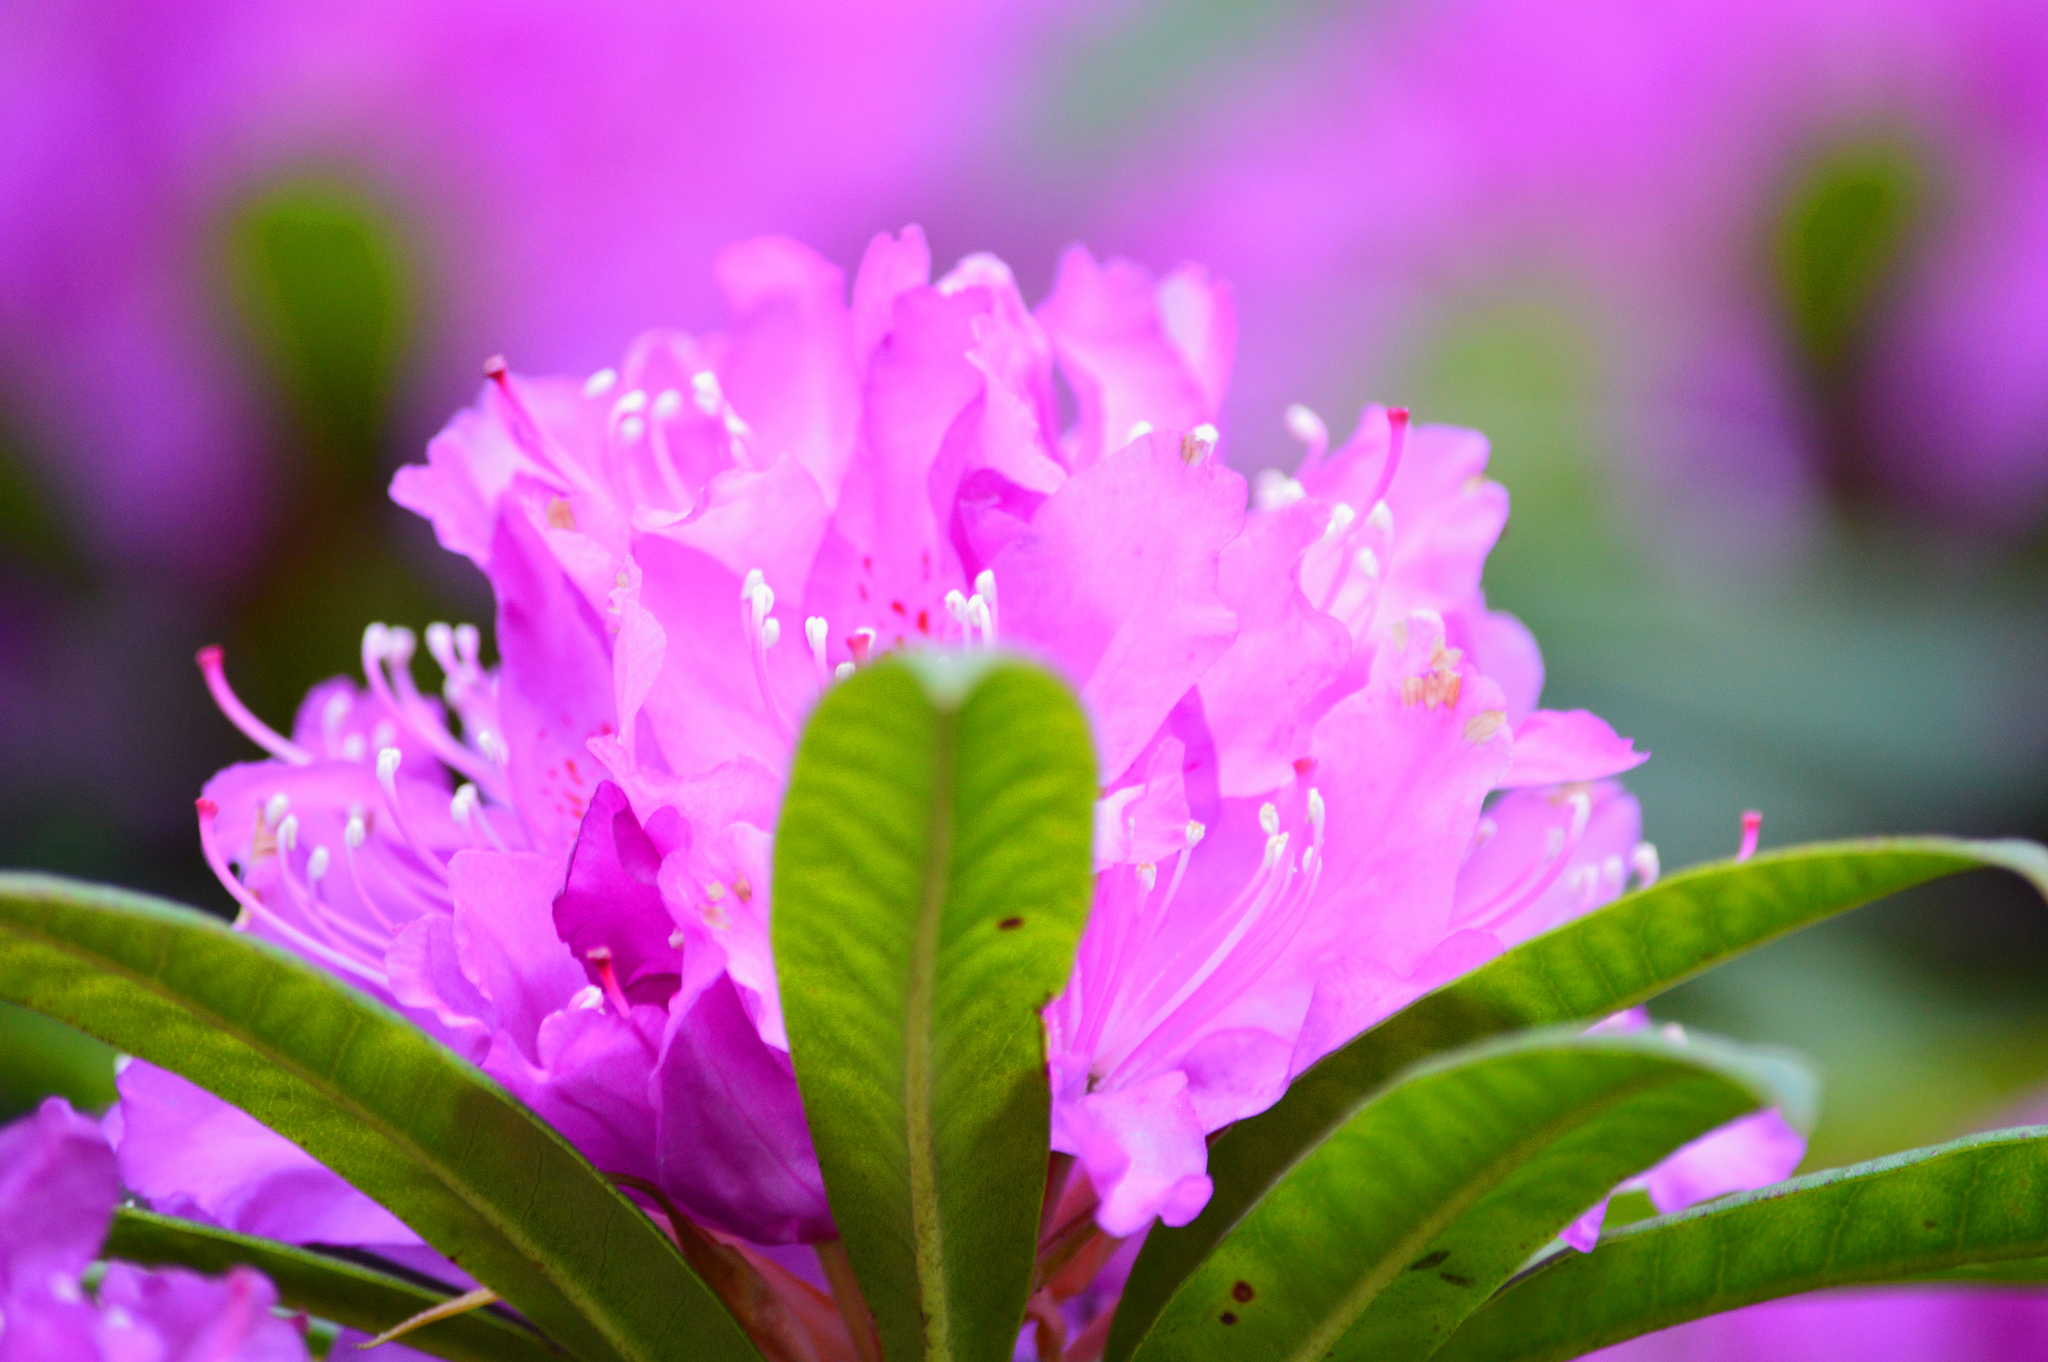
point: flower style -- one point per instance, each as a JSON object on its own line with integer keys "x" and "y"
{"x": 1327, "y": 786}
{"x": 58, "y": 1189}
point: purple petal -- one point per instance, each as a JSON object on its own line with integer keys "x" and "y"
{"x": 58, "y": 1186}
{"x": 1125, "y": 602}
{"x": 1556, "y": 746}
{"x": 1754, "y": 1151}
{"x": 731, "y": 1140}
{"x": 610, "y": 908}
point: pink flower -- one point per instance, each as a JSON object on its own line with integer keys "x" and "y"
{"x": 58, "y": 1190}
{"x": 1301, "y": 711}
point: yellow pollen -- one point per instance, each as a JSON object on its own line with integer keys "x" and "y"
{"x": 1440, "y": 685}
{"x": 1484, "y": 725}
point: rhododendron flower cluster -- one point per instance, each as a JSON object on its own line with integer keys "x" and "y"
{"x": 1327, "y": 786}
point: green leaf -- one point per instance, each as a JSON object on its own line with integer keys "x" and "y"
{"x": 405, "y": 1120}
{"x": 1978, "y": 1200}
{"x": 932, "y": 878}
{"x": 1414, "y": 1210}
{"x": 359, "y": 1297}
{"x": 1621, "y": 955}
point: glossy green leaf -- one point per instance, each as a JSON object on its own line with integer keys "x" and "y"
{"x": 1621, "y": 955}
{"x": 931, "y": 880}
{"x": 444, "y": 1148}
{"x": 1978, "y": 1200}
{"x": 1415, "y": 1209}
{"x": 347, "y": 1293}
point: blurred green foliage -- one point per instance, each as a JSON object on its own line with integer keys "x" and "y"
{"x": 1840, "y": 240}
{"x": 326, "y": 296}
{"x": 44, "y": 1057}
{"x": 1864, "y": 687}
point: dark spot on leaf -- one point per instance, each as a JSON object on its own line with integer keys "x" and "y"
{"x": 1425, "y": 1264}
{"x": 1928, "y": 1223}
{"x": 1009, "y": 924}
{"x": 1229, "y": 1318}
{"x": 1454, "y": 1279}
{"x": 1242, "y": 1291}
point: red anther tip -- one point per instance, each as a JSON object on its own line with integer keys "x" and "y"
{"x": 209, "y": 656}
{"x": 494, "y": 367}
{"x": 1398, "y": 415}
{"x": 207, "y": 808}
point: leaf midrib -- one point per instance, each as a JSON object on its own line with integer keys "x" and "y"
{"x": 927, "y": 1229}
{"x": 1354, "y": 1303}
{"x": 325, "y": 1086}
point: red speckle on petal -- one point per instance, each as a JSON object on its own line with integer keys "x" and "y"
{"x": 897, "y": 606}
{"x": 863, "y": 590}
{"x": 1304, "y": 765}
{"x": 924, "y": 621}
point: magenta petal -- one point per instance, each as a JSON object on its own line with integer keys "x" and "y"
{"x": 891, "y": 267}
{"x": 506, "y": 941}
{"x": 731, "y": 1139}
{"x": 1124, "y": 602}
{"x": 1754, "y": 1151}
{"x": 426, "y": 973}
{"x": 58, "y": 1186}
{"x": 788, "y": 360}
{"x": 1234, "y": 1074}
{"x": 191, "y": 1154}
{"x": 187, "y": 1316}
{"x": 592, "y": 1081}
{"x": 1583, "y": 1234}
{"x": 610, "y": 908}
{"x": 1258, "y": 694}
{"x": 1143, "y": 1150}
{"x": 1504, "y": 650}
{"x": 1404, "y": 766}
{"x": 1136, "y": 350}
{"x": 556, "y": 683}
{"x": 1555, "y": 746}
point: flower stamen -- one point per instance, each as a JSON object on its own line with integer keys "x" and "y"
{"x": 240, "y": 715}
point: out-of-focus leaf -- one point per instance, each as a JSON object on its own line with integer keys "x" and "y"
{"x": 932, "y": 877}
{"x": 476, "y": 1174}
{"x": 346, "y": 1293}
{"x": 1616, "y": 957}
{"x": 39, "y": 1057}
{"x": 1840, "y": 241}
{"x": 1413, "y": 1211}
{"x": 1978, "y": 1200}
{"x": 319, "y": 275}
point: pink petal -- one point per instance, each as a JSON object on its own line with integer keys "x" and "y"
{"x": 1555, "y": 746}
{"x": 1126, "y": 605}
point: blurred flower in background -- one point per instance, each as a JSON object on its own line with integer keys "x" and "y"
{"x": 250, "y": 253}
{"x": 1753, "y": 298}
